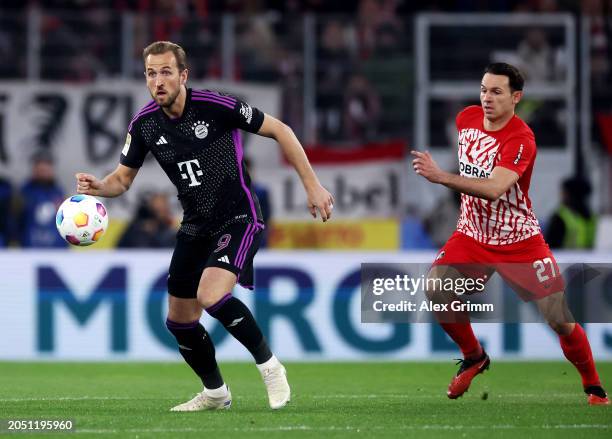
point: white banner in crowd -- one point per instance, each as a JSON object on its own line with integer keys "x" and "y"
{"x": 112, "y": 306}
{"x": 371, "y": 190}
{"x": 84, "y": 127}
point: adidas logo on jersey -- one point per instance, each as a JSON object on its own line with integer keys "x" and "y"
{"x": 162, "y": 141}
{"x": 224, "y": 259}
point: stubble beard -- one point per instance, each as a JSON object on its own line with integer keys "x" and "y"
{"x": 170, "y": 101}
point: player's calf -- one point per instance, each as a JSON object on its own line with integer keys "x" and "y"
{"x": 236, "y": 317}
{"x": 198, "y": 350}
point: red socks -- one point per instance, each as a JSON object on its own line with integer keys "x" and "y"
{"x": 577, "y": 350}
{"x": 575, "y": 347}
{"x": 462, "y": 334}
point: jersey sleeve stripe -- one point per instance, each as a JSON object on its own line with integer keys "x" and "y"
{"x": 225, "y": 104}
{"x": 239, "y": 155}
{"x": 142, "y": 113}
{"x": 209, "y": 94}
{"x": 227, "y": 99}
{"x": 143, "y": 109}
{"x": 147, "y": 107}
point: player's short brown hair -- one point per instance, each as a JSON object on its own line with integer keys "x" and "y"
{"x": 159, "y": 47}
{"x": 515, "y": 77}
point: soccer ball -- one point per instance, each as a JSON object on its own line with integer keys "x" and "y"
{"x": 81, "y": 220}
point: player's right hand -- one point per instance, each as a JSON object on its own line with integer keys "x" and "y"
{"x": 426, "y": 166}
{"x": 87, "y": 184}
{"x": 319, "y": 199}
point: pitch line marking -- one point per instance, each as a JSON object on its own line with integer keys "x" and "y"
{"x": 335, "y": 396}
{"x": 352, "y": 428}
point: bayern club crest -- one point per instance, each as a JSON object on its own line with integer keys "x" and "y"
{"x": 200, "y": 129}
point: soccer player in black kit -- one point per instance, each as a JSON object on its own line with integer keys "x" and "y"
{"x": 194, "y": 135}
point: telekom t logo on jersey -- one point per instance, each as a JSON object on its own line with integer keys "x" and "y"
{"x": 193, "y": 169}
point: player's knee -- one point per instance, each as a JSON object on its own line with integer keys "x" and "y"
{"x": 183, "y": 310}
{"x": 191, "y": 336}
{"x": 432, "y": 291}
{"x": 208, "y": 298}
{"x": 561, "y": 328}
{"x": 179, "y": 329}
{"x": 182, "y": 287}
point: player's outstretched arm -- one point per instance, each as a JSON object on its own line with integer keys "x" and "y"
{"x": 114, "y": 184}
{"x": 318, "y": 197}
{"x": 491, "y": 188}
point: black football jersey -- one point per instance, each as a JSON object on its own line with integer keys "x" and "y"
{"x": 202, "y": 154}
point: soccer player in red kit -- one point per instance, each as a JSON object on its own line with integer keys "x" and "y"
{"x": 497, "y": 230}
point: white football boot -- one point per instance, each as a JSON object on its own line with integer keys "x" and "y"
{"x": 205, "y": 401}
{"x": 275, "y": 379}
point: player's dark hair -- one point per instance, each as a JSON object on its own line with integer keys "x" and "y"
{"x": 159, "y": 47}
{"x": 515, "y": 77}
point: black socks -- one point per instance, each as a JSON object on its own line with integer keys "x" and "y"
{"x": 238, "y": 320}
{"x": 198, "y": 350}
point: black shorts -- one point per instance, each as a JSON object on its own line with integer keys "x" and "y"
{"x": 232, "y": 249}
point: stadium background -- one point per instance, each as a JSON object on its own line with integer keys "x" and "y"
{"x": 361, "y": 83}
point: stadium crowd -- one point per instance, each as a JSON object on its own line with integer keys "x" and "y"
{"x": 364, "y": 67}
{"x": 364, "y": 51}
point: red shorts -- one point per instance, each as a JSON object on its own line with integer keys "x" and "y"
{"x": 528, "y": 266}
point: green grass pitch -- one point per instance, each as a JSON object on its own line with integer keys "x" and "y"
{"x": 512, "y": 399}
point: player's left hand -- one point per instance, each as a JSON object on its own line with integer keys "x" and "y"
{"x": 320, "y": 199}
{"x": 426, "y": 166}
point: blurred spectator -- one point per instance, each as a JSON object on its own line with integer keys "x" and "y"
{"x": 371, "y": 16}
{"x": 291, "y": 84}
{"x": 390, "y": 71}
{"x": 5, "y": 211}
{"x": 441, "y": 222}
{"x": 334, "y": 65}
{"x": 13, "y": 38}
{"x": 153, "y": 226}
{"x": 573, "y": 224}
{"x": 535, "y": 57}
{"x": 80, "y": 47}
{"x": 598, "y": 13}
{"x": 38, "y": 201}
{"x": 361, "y": 109}
{"x": 263, "y": 195}
{"x": 258, "y": 51}
{"x": 167, "y": 20}
{"x": 540, "y": 62}
{"x": 368, "y": 17}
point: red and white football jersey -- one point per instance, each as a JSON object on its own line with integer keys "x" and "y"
{"x": 508, "y": 219}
